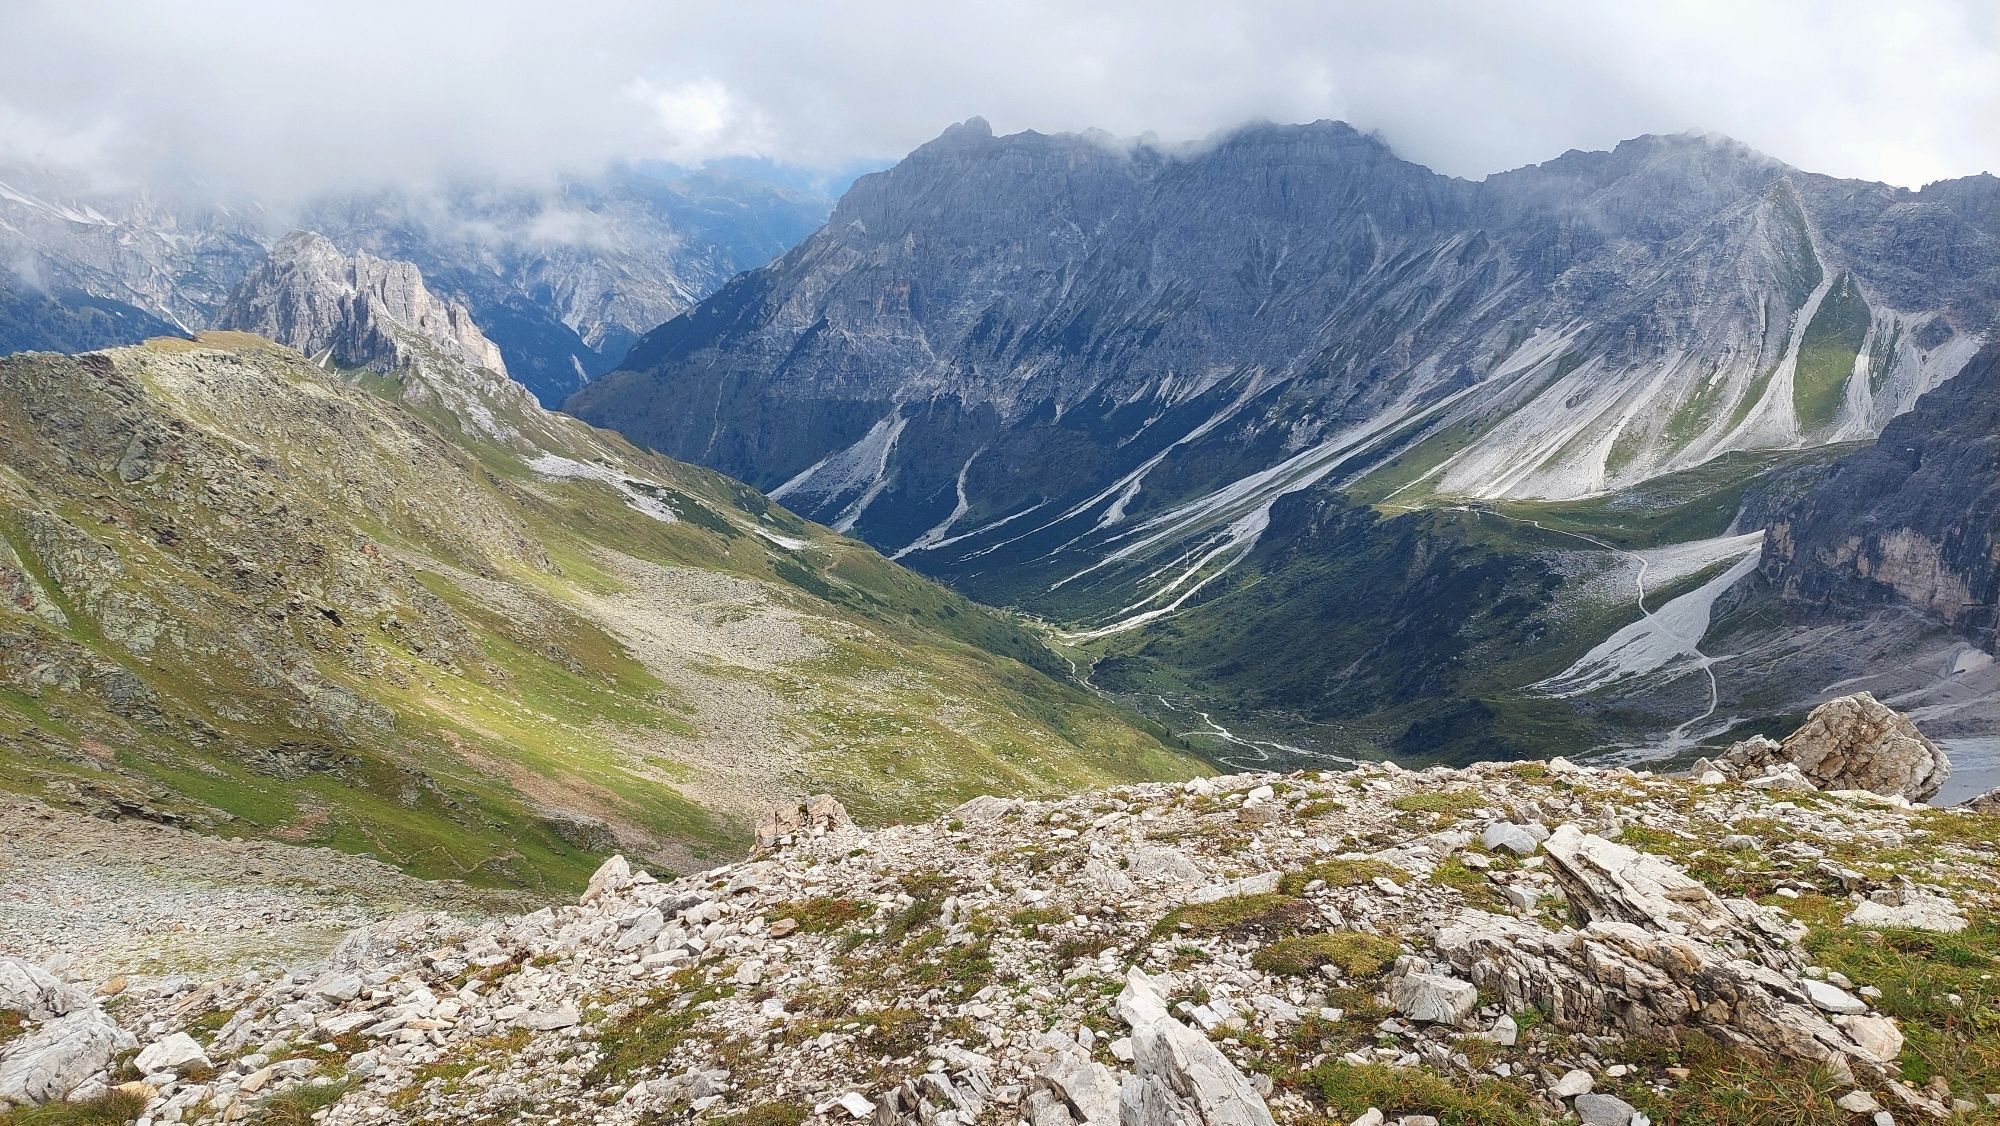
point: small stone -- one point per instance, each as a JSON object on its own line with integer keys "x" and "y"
{"x": 550, "y": 1020}
{"x": 1831, "y": 998}
{"x": 1370, "y": 1117}
{"x": 1858, "y": 1102}
{"x": 1572, "y": 1084}
{"x": 856, "y": 1104}
{"x": 1604, "y": 1110}
{"x": 1434, "y": 998}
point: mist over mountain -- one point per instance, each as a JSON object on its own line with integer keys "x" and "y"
{"x": 562, "y": 278}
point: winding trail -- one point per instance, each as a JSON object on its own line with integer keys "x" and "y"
{"x": 1679, "y": 738}
{"x": 1257, "y": 751}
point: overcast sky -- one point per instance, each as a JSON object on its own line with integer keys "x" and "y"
{"x": 277, "y": 96}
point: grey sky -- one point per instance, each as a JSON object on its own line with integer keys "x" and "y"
{"x": 272, "y": 96}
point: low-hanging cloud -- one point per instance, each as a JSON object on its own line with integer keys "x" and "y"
{"x": 280, "y": 97}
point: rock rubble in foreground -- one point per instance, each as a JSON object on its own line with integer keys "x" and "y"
{"x": 1501, "y": 943}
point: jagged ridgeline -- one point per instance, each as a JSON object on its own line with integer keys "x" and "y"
{"x": 409, "y": 613}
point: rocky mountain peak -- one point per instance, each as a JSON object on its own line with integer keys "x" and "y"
{"x": 355, "y": 310}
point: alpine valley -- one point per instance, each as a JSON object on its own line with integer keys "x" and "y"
{"x": 1319, "y": 454}
{"x": 1097, "y": 633}
{"x": 381, "y": 600}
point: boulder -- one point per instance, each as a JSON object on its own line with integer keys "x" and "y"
{"x": 52, "y": 1061}
{"x": 1181, "y": 1076}
{"x": 1522, "y": 840}
{"x": 1573, "y": 1083}
{"x": 1987, "y": 803}
{"x": 29, "y": 989}
{"x": 1851, "y": 743}
{"x": 614, "y": 875}
{"x": 1878, "y": 1035}
{"x": 171, "y": 1053}
{"x": 1433, "y": 998}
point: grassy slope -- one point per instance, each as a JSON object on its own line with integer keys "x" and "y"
{"x": 467, "y": 699}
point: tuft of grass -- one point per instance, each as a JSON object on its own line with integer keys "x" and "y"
{"x": 765, "y": 1114}
{"x": 12, "y": 1024}
{"x": 1476, "y": 888}
{"x": 113, "y": 1108}
{"x": 1350, "y": 1089}
{"x": 1724, "y": 1088}
{"x": 824, "y": 914}
{"x": 652, "y": 1030}
{"x": 296, "y": 1107}
{"x": 1354, "y": 953}
{"x": 1265, "y": 916}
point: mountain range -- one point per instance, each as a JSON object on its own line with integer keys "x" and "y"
{"x": 1404, "y": 415}
{"x": 563, "y": 278}
{"x": 1302, "y": 448}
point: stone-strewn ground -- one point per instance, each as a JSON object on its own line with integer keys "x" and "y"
{"x": 1504, "y": 944}
{"x": 130, "y": 898}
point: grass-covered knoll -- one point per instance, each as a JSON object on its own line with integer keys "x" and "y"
{"x": 477, "y": 641}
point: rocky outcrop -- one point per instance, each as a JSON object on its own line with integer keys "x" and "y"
{"x": 35, "y": 993}
{"x": 1356, "y": 935}
{"x": 71, "y": 1040}
{"x": 358, "y": 311}
{"x": 1850, "y": 743}
{"x": 49, "y": 1063}
{"x": 819, "y": 814}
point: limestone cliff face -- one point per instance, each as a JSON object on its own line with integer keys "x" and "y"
{"x": 1913, "y": 519}
{"x": 358, "y": 311}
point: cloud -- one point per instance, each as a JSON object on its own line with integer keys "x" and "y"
{"x": 703, "y": 120}
{"x": 276, "y": 97}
